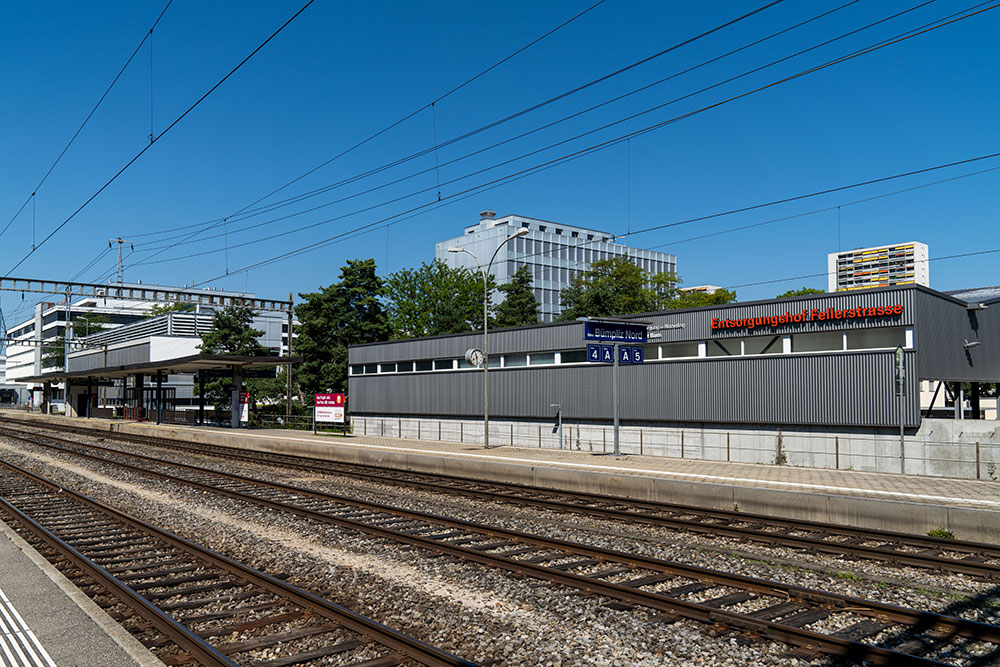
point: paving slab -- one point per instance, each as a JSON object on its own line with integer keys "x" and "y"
{"x": 70, "y": 629}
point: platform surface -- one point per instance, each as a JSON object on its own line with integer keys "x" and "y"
{"x": 907, "y": 488}
{"x": 39, "y": 604}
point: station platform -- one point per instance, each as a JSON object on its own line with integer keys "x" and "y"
{"x": 970, "y": 509}
{"x": 45, "y": 621}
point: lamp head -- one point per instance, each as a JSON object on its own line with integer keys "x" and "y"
{"x": 521, "y": 232}
{"x": 454, "y": 249}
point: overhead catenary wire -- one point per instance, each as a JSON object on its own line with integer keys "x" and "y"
{"x": 169, "y": 127}
{"x": 434, "y": 205}
{"x": 248, "y": 212}
{"x": 474, "y": 78}
{"x": 87, "y": 119}
{"x": 825, "y": 209}
{"x": 187, "y": 239}
{"x": 942, "y": 258}
{"x": 599, "y": 146}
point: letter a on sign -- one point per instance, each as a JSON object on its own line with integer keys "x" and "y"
{"x": 608, "y": 353}
{"x": 626, "y": 355}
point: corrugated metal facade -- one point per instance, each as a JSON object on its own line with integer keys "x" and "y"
{"x": 945, "y": 326}
{"x": 852, "y": 388}
{"x": 846, "y": 388}
{"x": 116, "y": 356}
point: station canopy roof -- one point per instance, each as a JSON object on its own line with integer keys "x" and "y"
{"x": 190, "y": 364}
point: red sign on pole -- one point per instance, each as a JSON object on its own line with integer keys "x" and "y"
{"x": 330, "y": 407}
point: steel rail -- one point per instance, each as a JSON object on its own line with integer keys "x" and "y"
{"x": 383, "y": 635}
{"x": 189, "y": 642}
{"x": 988, "y": 571}
{"x": 914, "y": 620}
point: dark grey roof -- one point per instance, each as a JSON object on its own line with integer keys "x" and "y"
{"x": 976, "y": 294}
{"x": 189, "y": 364}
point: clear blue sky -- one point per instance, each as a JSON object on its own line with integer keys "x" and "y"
{"x": 345, "y": 70}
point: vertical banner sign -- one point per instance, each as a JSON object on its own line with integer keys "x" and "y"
{"x": 330, "y": 407}
{"x": 244, "y": 406}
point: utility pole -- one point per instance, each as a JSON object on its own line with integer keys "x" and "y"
{"x": 120, "y": 241}
{"x": 900, "y": 391}
{"x": 288, "y": 368}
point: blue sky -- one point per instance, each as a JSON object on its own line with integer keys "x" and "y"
{"x": 343, "y": 71}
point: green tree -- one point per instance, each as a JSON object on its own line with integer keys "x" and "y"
{"x": 347, "y": 312}
{"x": 615, "y": 287}
{"x": 700, "y": 299}
{"x": 610, "y": 288}
{"x": 54, "y": 352}
{"x": 519, "y": 307}
{"x": 435, "y": 299}
{"x": 84, "y": 324}
{"x": 802, "y": 291}
{"x": 232, "y": 333}
{"x": 159, "y": 309}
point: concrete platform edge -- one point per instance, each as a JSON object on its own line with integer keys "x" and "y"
{"x": 132, "y": 646}
{"x": 965, "y": 523}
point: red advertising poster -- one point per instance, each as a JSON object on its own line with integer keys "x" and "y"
{"x": 330, "y": 407}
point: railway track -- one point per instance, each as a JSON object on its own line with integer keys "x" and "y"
{"x": 813, "y": 621}
{"x": 975, "y": 559}
{"x": 187, "y": 603}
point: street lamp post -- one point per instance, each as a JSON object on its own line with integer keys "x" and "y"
{"x": 486, "y": 344}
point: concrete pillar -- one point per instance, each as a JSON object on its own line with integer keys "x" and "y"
{"x": 46, "y": 391}
{"x": 140, "y": 392}
{"x": 159, "y": 397}
{"x": 201, "y": 399}
{"x": 237, "y": 388}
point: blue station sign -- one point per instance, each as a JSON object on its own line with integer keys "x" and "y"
{"x": 605, "y": 354}
{"x": 615, "y": 332}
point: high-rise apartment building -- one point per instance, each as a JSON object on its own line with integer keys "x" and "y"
{"x": 554, "y": 252}
{"x": 881, "y": 266}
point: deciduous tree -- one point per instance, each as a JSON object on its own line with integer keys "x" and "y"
{"x": 231, "y": 333}
{"x": 435, "y": 299}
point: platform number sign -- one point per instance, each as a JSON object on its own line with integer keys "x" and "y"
{"x": 605, "y": 354}
{"x": 601, "y": 354}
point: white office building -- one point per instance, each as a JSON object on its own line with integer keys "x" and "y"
{"x": 880, "y": 266}
{"x": 554, "y": 252}
{"x": 27, "y": 340}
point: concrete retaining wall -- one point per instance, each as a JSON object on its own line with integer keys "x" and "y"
{"x": 939, "y": 448}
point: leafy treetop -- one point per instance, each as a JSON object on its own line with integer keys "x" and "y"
{"x": 435, "y": 299}
{"x": 802, "y": 291}
{"x": 232, "y": 333}
{"x": 616, "y": 286}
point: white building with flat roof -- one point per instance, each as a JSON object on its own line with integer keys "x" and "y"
{"x": 27, "y": 340}
{"x": 555, "y": 252}
{"x": 880, "y": 266}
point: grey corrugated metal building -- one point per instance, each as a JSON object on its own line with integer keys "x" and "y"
{"x": 829, "y": 366}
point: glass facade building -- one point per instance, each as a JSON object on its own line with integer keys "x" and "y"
{"x": 554, "y": 253}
